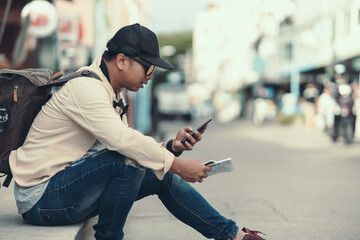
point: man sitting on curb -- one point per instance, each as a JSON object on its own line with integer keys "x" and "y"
{"x": 81, "y": 159}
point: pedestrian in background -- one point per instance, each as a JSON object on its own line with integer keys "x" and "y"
{"x": 310, "y": 95}
{"x": 325, "y": 109}
{"x": 81, "y": 159}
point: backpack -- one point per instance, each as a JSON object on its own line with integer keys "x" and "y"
{"x": 22, "y": 94}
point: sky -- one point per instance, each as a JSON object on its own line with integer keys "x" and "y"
{"x": 175, "y": 15}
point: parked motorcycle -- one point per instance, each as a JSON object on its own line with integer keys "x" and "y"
{"x": 344, "y": 124}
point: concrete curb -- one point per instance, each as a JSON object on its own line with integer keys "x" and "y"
{"x": 13, "y": 227}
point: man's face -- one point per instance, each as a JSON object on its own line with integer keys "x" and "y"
{"x": 133, "y": 76}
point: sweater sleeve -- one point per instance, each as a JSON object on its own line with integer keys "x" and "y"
{"x": 90, "y": 106}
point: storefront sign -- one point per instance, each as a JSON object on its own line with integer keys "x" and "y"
{"x": 43, "y": 18}
{"x": 69, "y": 27}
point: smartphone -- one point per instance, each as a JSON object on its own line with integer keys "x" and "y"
{"x": 210, "y": 163}
{"x": 198, "y": 129}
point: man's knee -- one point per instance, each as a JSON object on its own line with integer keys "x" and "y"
{"x": 133, "y": 163}
{"x": 135, "y": 171}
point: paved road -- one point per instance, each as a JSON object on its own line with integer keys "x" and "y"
{"x": 288, "y": 182}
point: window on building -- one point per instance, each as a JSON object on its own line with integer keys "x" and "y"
{"x": 286, "y": 52}
{"x": 346, "y": 29}
{"x": 333, "y": 29}
{"x": 288, "y": 21}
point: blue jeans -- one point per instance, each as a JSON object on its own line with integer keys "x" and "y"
{"x": 104, "y": 184}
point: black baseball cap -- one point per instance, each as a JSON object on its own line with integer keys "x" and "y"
{"x": 137, "y": 41}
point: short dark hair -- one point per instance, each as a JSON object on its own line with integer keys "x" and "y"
{"x": 108, "y": 55}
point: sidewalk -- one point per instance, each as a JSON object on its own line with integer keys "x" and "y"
{"x": 283, "y": 184}
{"x": 287, "y": 181}
{"x": 12, "y": 227}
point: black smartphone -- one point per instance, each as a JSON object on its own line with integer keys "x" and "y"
{"x": 209, "y": 163}
{"x": 198, "y": 129}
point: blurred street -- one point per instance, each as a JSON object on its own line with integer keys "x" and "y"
{"x": 289, "y": 182}
{"x": 294, "y": 63}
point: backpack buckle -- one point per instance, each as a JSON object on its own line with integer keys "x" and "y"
{"x": 86, "y": 73}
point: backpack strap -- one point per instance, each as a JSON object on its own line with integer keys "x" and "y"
{"x": 7, "y": 180}
{"x": 57, "y": 80}
{"x": 55, "y": 76}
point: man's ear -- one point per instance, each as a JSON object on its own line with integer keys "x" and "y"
{"x": 121, "y": 60}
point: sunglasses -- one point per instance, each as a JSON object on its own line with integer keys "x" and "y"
{"x": 149, "y": 68}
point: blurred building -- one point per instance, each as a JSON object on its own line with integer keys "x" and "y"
{"x": 78, "y": 25}
{"x": 82, "y": 31}
{"x": 68, "y": 34}
{"x": 310, "y": 41}
{"x": 222, "y": 40}
{"x": 10, "y": 26}
{"x": 225, "y": 59}
{"x": 283, "y": 43}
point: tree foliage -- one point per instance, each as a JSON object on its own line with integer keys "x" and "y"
{"x": 182, "y": 43}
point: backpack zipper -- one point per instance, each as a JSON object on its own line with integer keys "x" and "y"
{"x": 15, "y": 93}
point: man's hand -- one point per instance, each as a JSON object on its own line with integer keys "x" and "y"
{"x": 191, "y": 170}
{"x": 185, "y": 132}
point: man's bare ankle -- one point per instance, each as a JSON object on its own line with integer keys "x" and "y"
{"x": 240, "y": 234}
